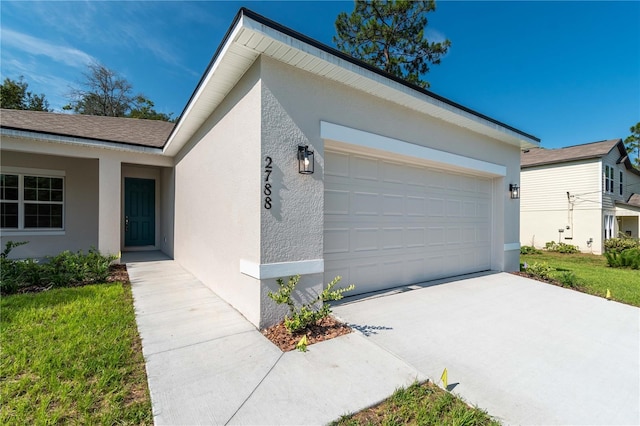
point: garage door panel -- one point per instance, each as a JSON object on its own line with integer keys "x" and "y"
{"x": 389, "y": 223}
{"x": 336, "y": 202}
{"x": 364, "y": 168}
{"x": 336, "y": 240}
{"x": 336, "y": 164}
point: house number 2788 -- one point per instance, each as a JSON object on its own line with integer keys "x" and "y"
{"x": 268, "y": 168}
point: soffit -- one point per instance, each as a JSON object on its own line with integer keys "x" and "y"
{"x": 249, "y": 39}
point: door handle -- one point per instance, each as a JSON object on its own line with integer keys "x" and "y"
{"x": 126, "y": 224}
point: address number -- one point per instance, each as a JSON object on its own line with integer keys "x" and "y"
{"x": 268, "y": 168}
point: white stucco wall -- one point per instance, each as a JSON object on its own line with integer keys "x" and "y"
{"x": 295, "y": 102}
{"x": 220, "y": 218}
{"x": 218, "y": 198}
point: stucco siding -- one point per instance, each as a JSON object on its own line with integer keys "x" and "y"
{"x": 80, "y": 205}
{"x": 218, "y": 198}
{"x": 301, "y": 100}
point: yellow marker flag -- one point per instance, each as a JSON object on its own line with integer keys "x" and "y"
{"x": 608, "y": 294}
{"x": 302, "y": 344}
{"x": 445, "y": 380}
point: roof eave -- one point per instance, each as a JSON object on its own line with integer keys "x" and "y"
{"x": 252, "y": 35}
{"x": 87, "y": 142}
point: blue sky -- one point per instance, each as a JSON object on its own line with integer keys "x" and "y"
{"x": 566, "y": 72}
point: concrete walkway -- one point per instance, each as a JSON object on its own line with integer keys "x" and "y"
{"x": 206, "y": 364}
{"x": 527, "y": 352}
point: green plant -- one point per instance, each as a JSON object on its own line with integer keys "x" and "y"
{"x": 561, "y": 247}
{"x": 568, "y": 279}
{"x": 539, "y": 270}
{"x": 301, "y": 317}
{"x": 620, "y": 244}
{"x": 629, "y": 258}
{"x": 12, "y": 272}
{"x": 64, "y": 269}
{"x": 529, "y": 250}
{"x": 594, "y": 275}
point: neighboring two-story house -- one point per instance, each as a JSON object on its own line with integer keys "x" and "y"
{"x": 580, "y": 195}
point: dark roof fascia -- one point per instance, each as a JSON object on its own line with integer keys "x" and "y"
{"x": 332, "y": 51}
{"x": 81, "y": 138}
{"x": 624, "y": 158}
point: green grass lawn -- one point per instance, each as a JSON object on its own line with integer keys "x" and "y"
{"x": 593, "y": 274}
{"x": 72, "y": 355}
{"x": 419, "y": 404}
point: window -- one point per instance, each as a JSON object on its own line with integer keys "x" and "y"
{"x": 608, "y": 226}
{"x": 608, "y": 179}
{"x": 29, "y": 201}
{"x": 621, "y": 185}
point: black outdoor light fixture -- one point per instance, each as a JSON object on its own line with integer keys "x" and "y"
{"x": 305, "y": 160}
{"x": 514, "y": 189}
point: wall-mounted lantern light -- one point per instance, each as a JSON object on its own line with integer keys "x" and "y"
{"x": 514, "y": 189}
{"x": 305, "y": 160}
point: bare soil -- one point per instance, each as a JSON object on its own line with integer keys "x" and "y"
{"x": 325, "y": 329}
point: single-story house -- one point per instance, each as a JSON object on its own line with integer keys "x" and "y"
{"x": 290, "y": 158}
{"x": 579, "y": 195}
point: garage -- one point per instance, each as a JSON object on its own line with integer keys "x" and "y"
{"x": 390, "y": 223}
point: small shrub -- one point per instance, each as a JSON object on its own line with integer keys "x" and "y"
{"x": 539, "y": 270}
{"x": 305, "y": 315}
{"x": 629, "y": 258}
{"x": 561, "y": 247}
{"x": 529, "y": 250}
{"x": 620, "y": 244}
{"x": 12, "y": 272}
{"x": 64, "y": 269}
{"x": 568, "y": 279}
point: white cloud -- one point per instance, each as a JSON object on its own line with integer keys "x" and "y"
{"x": 35, "y": 46}
{"x": 434, "y": 36}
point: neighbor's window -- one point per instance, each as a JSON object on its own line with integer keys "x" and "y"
{"x": 608, "y": 179}
{"x": 31, "y": 202}
{"x": 621, "y": 185}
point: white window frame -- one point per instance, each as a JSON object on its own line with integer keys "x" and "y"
{"x": 621, "y": 183}
{"x": 22, "y": 172}
{"x": 608, "y": 179}
{"x": 608, "y": 226}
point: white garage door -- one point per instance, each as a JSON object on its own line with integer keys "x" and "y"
{"x": 389, "y": 224}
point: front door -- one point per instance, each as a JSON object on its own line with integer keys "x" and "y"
{"x": 139, "y": 212}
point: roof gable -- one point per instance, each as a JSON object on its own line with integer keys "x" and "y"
{"x": 594, "y": 150}
{"x": 252, "y": 35}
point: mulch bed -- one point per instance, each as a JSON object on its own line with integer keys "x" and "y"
{"x": 325, "y": 329}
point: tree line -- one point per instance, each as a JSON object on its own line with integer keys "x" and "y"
{"x": 102, "y": 92}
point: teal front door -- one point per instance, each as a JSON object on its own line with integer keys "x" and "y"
{"x": 139, "y": 212}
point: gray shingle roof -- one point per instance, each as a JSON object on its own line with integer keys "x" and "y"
{"x": 152, "y": 133}
{"x": 540, "y": 156}
{"x": 634, "y": 200}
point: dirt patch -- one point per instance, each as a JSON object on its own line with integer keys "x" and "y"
{"x": 118, "y": 272}
{"x": 325, "y": 329}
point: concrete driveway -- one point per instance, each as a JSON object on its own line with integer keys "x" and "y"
{"x": 525, "y": 351}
